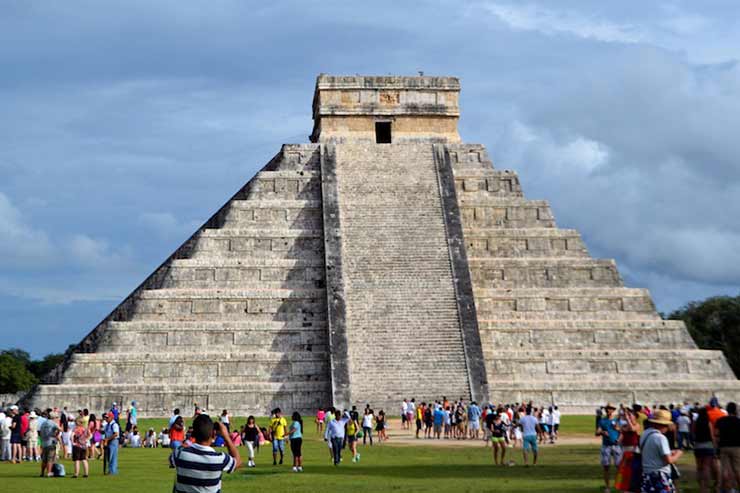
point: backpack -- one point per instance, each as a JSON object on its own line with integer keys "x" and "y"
{"x": 57, "y": 470}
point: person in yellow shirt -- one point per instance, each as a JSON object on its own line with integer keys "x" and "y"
{"x": 278, "y": 426}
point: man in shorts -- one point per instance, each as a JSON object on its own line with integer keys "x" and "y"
{"x": 49, "y": 434}
{"x": 278, "y": 426}
{"x": 611, "y": 451}
{"x": 474, "y": 414}
{"x": 530, "y": 427}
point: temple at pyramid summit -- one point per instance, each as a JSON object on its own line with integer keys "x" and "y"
{"x": 384, "y": 260}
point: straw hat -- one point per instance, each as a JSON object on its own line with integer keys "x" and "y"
{"x": 661, "y": 417}
{"x": 609, "y": 405}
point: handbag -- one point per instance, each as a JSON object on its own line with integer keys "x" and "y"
{"x": 675, "y": 473}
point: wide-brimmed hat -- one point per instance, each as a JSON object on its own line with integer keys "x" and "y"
{"x": 33, "y": 415}
{"x": 609, "y": 405}
{"x": 661, "y": 417}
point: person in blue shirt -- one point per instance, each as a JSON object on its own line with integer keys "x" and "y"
{"x": 439, "y": 416}
{"x": 295, "y": 433}
{"x": 112, "y": 431}
{"x": 474, "y": 414}
{"x": 335, "y": 435}
{"x": 611, "y": 451}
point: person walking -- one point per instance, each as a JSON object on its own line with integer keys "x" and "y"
{"x": 112, "y": 432}
{"x": 278, "y": 427}
{"x": 295, "y": 434}
{"x": 353, "y": 426}
{"x": 335, "y": 434}
{"x": 380, "y": 426}
{"x": 611, "y": 451}
{"x": 251, "y": 439}
{"x": 498, "y": 438}
{"x": 657, "y": 456}
{"x": 199, "y": 467}
{"x": 727, "y": 430}
{"x": 80, "y": 439}
{"x": 530, "y": 427}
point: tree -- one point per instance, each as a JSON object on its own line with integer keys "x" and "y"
{"x": 40, "y": 368}
{"x": 14, "y": 376}
{"x": 714, "y": 324}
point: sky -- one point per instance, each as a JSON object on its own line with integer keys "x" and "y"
{"x": 125, "y": 125}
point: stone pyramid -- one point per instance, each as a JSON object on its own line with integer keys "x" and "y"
{"x": 384, "y": 260}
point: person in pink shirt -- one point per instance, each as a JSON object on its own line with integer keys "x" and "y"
{"x": 320, "y": 418}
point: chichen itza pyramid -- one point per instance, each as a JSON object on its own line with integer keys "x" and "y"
{"x": 386, "y": 259}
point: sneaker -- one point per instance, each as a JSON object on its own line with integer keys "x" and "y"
{"x": 358, "y": 457}
{"x": 354, "y": 459}
{"x": 300, "y": 469}
{"x": 295, "y": 469}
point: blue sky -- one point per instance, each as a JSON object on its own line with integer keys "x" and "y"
{"x": 124, "y": 125}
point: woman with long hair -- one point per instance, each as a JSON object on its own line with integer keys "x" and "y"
{"x": 629, "y": 478}
{"x": 295, "y": 434}
{"x": 93, "y": 430}
{"x": 380, "y": 426}
{"x": 250, "y": 437}
{"x": 704, "y": 451}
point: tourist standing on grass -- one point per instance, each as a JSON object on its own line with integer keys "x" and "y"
{"x": 15, "y": 436}
{"x": 200, "y": 467}
{"x": 498, "y": 437}
{"x": 727, "y": 430}
{"x": 112, "y": 432}
{"x": 353, "y": 426}
{"x": 380, "y": 426}
{"x": 132, "y": 420}
{"x": 683, "y": 426}
{"x": 367, "y": 426}
{"x": 177, "y": 432}
{"x": 225, "y": 419}
{"x": 278, "y": 427}
{"x": 251, "y": 439}
{"x": 657, "y": 456}
{"x": 320, "y": 416}
{"x": 32, "y": 437}
{"x": 707, "y": 468}
{"x": 629, "y": 476}
{"x": 295, "y": 434}
{"x": 335, "y": 435}
{"x": 530, "y": 427}
{"x": 611, "y": 452}
{"x": 80, "y": 439}
{"x": 49, "y": 433}
{"x": 5, "y": 423}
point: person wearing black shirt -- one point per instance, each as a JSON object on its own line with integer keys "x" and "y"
{"x": 727, "y": 430}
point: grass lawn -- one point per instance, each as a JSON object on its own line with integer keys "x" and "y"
{"x": 562, "y": 468}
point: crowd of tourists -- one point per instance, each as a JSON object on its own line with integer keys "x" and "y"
{"x": 640, "y": 444}
{"x": 644, "y": 444}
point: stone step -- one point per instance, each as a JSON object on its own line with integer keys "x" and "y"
{"x": 158, "y": 399}
{"x": 555, "y": 303}
{"x": 584, "y": 334}
{"x": 487, "y": 182}
{"x": 184, "y": 336}
{"x": 505, "y": 212}
{"x": 544, "y": 272}
{"x": 283, "y": 185}
{"x": 264, "y": 273}
{"x": 230, "y": 304}
{"x": 526, "y": 242}
{"x": 576, "y": 395}
{"x": 278, "y": 213}
{"x": 595, "y": 364}
{"x": 183, "y": 367}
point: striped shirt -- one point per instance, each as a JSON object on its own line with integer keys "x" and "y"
{"x": 199, "y": 469}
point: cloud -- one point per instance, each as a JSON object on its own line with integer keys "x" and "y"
{"x": 21, "y": 246}
{"x": 531, "y": 17}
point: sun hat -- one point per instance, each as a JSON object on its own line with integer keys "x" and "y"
{"x": 33, "y": 415}
{"x": 661, "y": 417}
{"x": 609, "y": 405}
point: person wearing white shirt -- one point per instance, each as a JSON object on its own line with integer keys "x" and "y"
{"x": 5, "y": 422}
{"x": 555, "y": 421}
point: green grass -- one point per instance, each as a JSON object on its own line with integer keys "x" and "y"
{"x": 403, "y": 468}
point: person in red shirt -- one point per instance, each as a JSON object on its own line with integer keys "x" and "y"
{"x": 714, "y": 411}
{"x": 24, "y": 429}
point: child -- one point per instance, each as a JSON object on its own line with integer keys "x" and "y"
{"x": 320, "y": 416}
{"x": 296, "y": 441}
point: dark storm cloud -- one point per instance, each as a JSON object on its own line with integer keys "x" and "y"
{"x": 125, "y": 124}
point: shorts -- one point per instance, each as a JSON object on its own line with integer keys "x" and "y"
{"x": 24, "y": 443}
{"x": 409, "y": 417}
{"x": 15, "y": 439}
{"x": 278, "y": 445}
{"x": 474, "y": 425}
{"x": 437, "y": 428}
{"x": 351, "y": 438}
{"x": 498, "y": 439}
{"x": 730, "y": 459}
{"x": 611, "y": 454}
{"x": 403, "y": 418}
{"x": 79, "y": 453}
{"x": 530, "y": 442}
{"x": 295, "y": 446}
{"x": 657, "y": 482}
{"x": 418, "y": 424}
{"x": 704, "y": 449}
{"x": 49, "y": 454}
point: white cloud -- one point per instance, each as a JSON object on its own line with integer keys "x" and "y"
{"x": 20, "y": 244}
{"x": 532, "y": 17}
